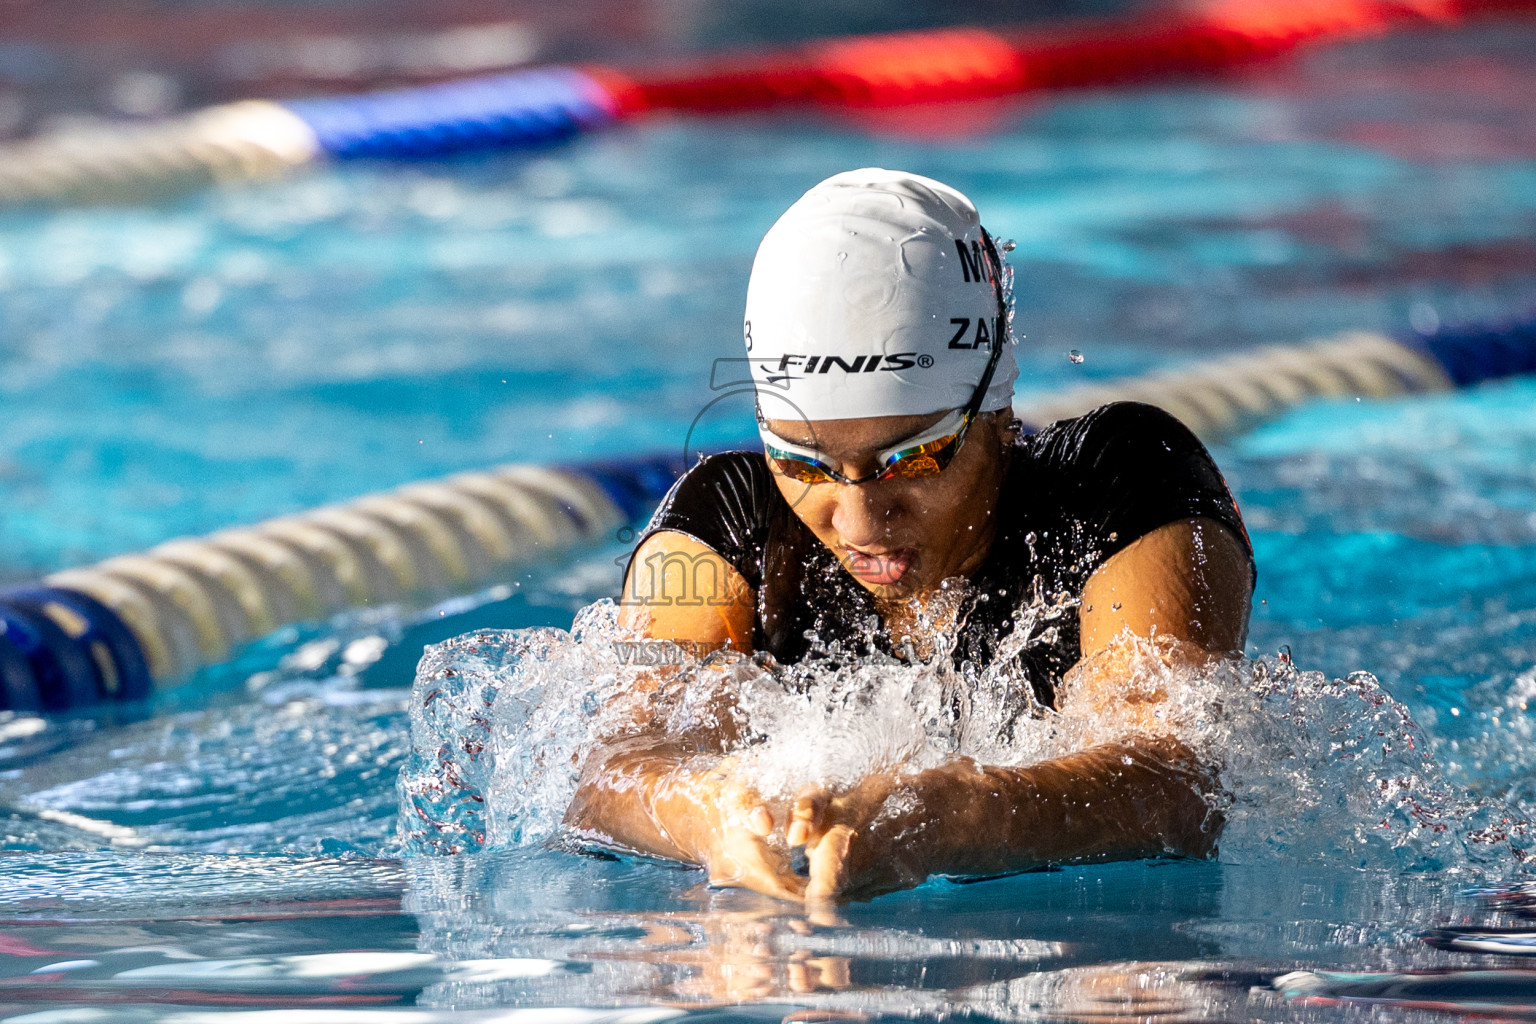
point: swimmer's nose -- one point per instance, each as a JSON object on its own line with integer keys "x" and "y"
{"x": 863, "y": 516}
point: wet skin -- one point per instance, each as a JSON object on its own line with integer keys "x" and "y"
{"x": 1186, "y": 583}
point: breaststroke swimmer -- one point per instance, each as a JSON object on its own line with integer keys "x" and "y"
{"x": 893, "y": 471}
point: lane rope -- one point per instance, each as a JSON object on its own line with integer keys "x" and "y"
{"x": 540, "y": 106}
{"x": 193, "y": 602}
{"x": 121, "y": 628}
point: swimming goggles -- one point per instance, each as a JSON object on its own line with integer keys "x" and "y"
{"x": 923, "y": 455}
{"x": 920, "y": 456}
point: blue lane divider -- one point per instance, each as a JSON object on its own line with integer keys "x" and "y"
{"x": 120, "y": 668}
{"x": 635, "y": 487}
{"x": 18, "y": 680}
{"x": 62, "y": 672}
{"x": 1473, "y": 354}
{"x": 62, "y": 648}
{"x": 255, "y": 138}
{"x": 522, "y": 109}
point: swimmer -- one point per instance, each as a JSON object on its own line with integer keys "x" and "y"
{"x": 892, "y": 471}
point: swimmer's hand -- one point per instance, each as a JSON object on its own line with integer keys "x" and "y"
{"x": 663, "y": 799}
{"x": 844, "y": 851}
{"x": 737, "y": 843}
{"x": 1118, "y": 801}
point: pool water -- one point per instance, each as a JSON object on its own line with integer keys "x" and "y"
{"x": 230, "y": 852}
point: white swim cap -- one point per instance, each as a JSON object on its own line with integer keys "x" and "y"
{"x": 875, "y": 294}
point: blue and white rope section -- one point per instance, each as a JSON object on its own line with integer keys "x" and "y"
{"x": 261, "y": 139}
{"x": 120, "y": 629}
{"x": 508, "y": 111}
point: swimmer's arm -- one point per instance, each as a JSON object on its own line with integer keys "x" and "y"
{"x": 1114, "y": 802}
{"x": 658, "y": 796}
{"x": 682, "y": 590}
{"x": 663, "y": 795}
{"x": 1189, "y": 586}
{"x": 1190, "y": 580}
{"x": 617, "y": 802}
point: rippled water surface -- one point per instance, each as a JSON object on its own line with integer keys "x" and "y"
{"x": 231, "y": 852}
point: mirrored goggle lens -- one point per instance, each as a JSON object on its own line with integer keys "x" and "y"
{"x": 925, "y": 460}
{"x": 802, "y": 470}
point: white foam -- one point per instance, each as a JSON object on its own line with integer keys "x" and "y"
{"x": 1312, "y": 769}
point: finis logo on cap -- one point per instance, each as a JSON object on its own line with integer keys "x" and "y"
{"x": 794, "y": 365}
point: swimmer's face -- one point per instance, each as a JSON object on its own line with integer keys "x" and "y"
{"x": 899, "y": 537}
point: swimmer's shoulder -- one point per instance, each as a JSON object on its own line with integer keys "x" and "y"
{"x": 1111, "y": 432}
{"x": 727, "y": 482}
{"x": 725, "y": 502}
{"x": 1123, "y": 470}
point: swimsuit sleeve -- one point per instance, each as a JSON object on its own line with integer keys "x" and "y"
{"x": 723, "y": 503}
{"x": 1128, "y": 468}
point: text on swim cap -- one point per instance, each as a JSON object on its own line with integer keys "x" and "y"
{"x": 973, "y": 262}
{"x": 983, "y": 334}
{"x": 858, "y": 364}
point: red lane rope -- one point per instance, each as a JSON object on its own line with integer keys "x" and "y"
{"x": 953, "y": 64}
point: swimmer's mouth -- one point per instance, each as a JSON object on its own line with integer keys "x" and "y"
{"x": 880, "y": 569}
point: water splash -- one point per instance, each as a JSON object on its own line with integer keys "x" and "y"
{"x": 1313, "y": 769}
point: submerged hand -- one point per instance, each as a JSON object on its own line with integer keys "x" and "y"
{"x": 849, "y": 845}
{"x": 738, "y": 848}
{"x": 741, "y": 854}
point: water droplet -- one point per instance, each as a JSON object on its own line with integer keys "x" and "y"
{"x": 1076, "y": 357}
{"x": 1424, "y": 318}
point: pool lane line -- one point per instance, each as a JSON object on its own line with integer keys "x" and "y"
{"x": 1218, "y": 398}
{"x": 134, "y": 623}
{"x": 539, "y": 106}
{"x": 127, "y": 625}
{"x": 249, "y": 140}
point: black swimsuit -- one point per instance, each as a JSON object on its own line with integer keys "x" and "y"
{"x": 1075, "y": 493}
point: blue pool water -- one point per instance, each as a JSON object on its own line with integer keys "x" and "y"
{"x": 229, "y": 853}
